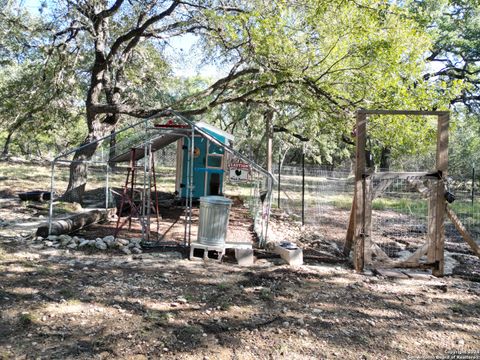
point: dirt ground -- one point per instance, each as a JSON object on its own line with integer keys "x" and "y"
{"x": 74, "y": 304}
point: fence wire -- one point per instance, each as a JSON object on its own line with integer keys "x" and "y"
{"x": 466, "y": 190}
{"x": 400, "y": 213}
{"x": 107, "y": 181}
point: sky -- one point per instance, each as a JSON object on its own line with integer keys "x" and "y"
{"x": 186, "y": 56}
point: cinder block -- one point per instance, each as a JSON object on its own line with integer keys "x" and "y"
{"x": 206, "y": 252}
{"x": 293, "y": 257}
{"x": 244, "y": 257}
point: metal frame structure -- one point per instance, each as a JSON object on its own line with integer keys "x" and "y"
{"x": 152, "y": 133}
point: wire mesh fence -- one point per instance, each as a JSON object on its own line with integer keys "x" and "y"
{"x": 318, "y": 198}
{"x": 466, "y": 189}
{"x": 108, "y": 183}
{"x": 138, "y": 175}
{"x": 323, "y": 199}
{"x": 310, "y": 195}
{"x": 400, "y": 214}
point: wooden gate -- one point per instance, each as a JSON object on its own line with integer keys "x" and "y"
{"x": 359, "y": 234}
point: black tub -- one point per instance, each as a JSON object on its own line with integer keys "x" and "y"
{"x": 34, "y": 196}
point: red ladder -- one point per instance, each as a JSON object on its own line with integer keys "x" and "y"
{"x": 127, "y": 197}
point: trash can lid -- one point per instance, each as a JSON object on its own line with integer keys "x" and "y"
{"x": 214, "y": 199}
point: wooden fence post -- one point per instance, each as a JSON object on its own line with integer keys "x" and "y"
{"x": 367, "y": 226}
{"x": 359, "y": 240}
{"x": 431, "y": 220}
{"x": 439, "y": 193}
{"x": 350, "y": 231}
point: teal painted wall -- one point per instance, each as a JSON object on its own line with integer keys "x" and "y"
{"x": 208, "y": 174}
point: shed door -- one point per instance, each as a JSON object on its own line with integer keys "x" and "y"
{"x": 199, "y": 163}
{"x": 214, "y": 185}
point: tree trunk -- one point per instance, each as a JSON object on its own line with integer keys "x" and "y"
{"x": 79, "y": 164}
{"x": 96, "y": 127}
{"x": 6, "y": 146}
{"x": 385, "y": 159}
{"x": 112, "y": 152}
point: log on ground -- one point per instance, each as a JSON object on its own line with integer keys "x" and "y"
{"x": 74, "y": 222}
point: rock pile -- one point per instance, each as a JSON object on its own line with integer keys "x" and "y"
{"x": 127, "y": 246}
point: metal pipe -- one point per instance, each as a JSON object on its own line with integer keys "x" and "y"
{"x": 145, "y": 172}
{"x": 192, "y": 154}
{"x": 279, "y": 175}
{"x": 103, "y": 138}
{"x": 149, "y": 189}
{"x": 473, "y": 185}
{"x": 268, "y": 207}
{"x": 303, "y": 184}
{"x": 106, "y": 188}
{"x": 50, "y": 209}
{"x": 186, "y": 140}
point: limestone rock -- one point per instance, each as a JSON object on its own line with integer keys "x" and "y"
{"x": 109, "y": 240}
{"x": 126, "y": 250}
{"x": 64, "y": 239}
{"x": 302, "y": 332}
{"x": 122, "y": 242}
{"x": 99, "y": 244}
{"x": 84, "y": 242}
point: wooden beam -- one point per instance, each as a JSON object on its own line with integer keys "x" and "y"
{"x": 350, "y": 231}
{"x": 420, "y": 187}
{"x": 367, "y": 252}
{"x": 403, "y": 175}
{"x": 463, "y": 231}
{"x": 380, "y": 188}
{"x": 417, "y": 255}
{"x": 360, "y": 164}
{"x": 431, "y": 230}
{"x": 442, "y": 167}
{"x": 379, "y": 253}
{"x": 402, "y": 112}
{"x": 407, "y": 265}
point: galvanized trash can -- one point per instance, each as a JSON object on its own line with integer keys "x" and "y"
{"x": 213, "y": 220}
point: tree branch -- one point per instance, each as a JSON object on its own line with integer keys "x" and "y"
{"x": 135, "y": 34}
{"x": 109, "y": 12}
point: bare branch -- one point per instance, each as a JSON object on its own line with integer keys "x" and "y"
{"x": 218, "y": 8}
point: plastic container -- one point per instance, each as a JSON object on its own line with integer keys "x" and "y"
{"x": 213, "y": 220}
{"x": 35, "y": 196}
